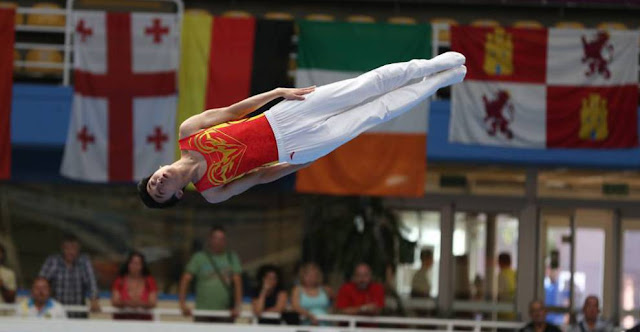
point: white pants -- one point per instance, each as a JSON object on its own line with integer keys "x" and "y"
{"x": 336, "y": 113}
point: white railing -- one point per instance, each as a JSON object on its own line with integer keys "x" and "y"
{"x": 436, "y": 43}
{"x": 38, "y": 325}
{"x": 68, "y": 31}
{"x": 81, "y": 325}
{"x": 353, "y": 323}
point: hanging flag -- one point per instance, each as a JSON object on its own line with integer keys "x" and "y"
{"x": 390, "y": 159}
{"x": 123, "y": 119}
{"x": 7, "y": 35}
{"x": 546, "y": 88}
{"x": 227, "y": 59}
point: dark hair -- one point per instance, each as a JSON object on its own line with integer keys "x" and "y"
{"x": 554, "y": 259}
{"x": 69, "y": 238}
{"x": 124, "y": 269}
{"x": 504, "y": 258}
{"x": 362, "y": 263}
{"x": 3, "y": 258}
{"x": 426, "y": 253}
{"x": 41, "y": 278}
{"x": 538, "y": 302}
{"x": 149, "y": 201}
{"x": 263, "y": 271}
{"x": 348, "y": 275}
{"x": 217, "y": 228}
{"x": 592, "y": 297}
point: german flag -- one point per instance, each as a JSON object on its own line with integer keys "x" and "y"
{"x": 227, "y": 59}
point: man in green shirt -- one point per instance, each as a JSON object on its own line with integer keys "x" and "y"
{"x": 218, "y": 282}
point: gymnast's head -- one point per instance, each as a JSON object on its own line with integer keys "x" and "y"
{"x": 164, "y": 188}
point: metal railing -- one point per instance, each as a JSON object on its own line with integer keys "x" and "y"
{"x": 68, "y": 31}
{"x": 487, "y": 308}
{"x": 436, "y": 43}
{"x": 40, "y": 29}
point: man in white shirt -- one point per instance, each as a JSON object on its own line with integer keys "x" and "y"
{"x": 40, "y": 304}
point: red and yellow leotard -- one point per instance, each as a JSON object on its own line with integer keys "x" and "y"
{"x": 233, "y": 149}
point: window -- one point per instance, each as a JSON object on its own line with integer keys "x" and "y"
{"x": 423, "y": 228}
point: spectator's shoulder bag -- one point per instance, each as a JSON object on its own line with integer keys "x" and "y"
{"x": 229, "y": 286}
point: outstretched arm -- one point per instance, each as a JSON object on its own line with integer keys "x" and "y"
{"x": 264, "y": 175}
{"x": 238, "y": 110}
{"x": 242, "y": 108}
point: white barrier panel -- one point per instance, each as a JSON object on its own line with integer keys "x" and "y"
{"x": 39, "y": 325}
{"x": 350, "y": 323}
{"x": 80, "y": 325}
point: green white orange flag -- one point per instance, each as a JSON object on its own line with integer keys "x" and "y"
{"x": 389, "y": 160}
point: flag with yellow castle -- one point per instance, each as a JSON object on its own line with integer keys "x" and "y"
{"x": 546, "y": 88}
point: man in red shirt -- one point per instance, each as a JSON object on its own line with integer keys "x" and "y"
{"x": 361, "y": 296}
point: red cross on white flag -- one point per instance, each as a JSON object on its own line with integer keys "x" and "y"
{"x": 157, "y": 30}
{"x": 125, "y": 92}
{"x": 158, "y": 138}
{"x": 85, "y": 138}
{"x": 82, "y": 31}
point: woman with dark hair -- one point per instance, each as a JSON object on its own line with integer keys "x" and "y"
{"x": 134, "y": 289}
{"x": 270, "y": 296}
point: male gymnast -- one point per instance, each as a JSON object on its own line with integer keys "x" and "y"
{"x": 225, "y": 155}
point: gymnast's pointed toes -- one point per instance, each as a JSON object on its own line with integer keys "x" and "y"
{"x": 452, "y": 76}
{"x": 461, "y": 72}
{"x": 453, "y": 58}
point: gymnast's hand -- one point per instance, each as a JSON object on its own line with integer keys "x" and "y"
{"x": 295, "y": 94}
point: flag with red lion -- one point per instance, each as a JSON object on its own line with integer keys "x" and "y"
{"x": 546, "y": 88}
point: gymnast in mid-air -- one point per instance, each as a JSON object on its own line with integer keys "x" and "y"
{"x": 224, "y": 154}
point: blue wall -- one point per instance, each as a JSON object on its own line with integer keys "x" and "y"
{"x": 439, "y": 149}
{"x": 40, "y": 114}
{"x": 40, "y": 119}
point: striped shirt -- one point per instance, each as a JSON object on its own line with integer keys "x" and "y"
{"x": 72, "y": 284}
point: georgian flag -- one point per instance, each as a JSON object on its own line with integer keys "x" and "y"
{"x": 123, "y": 119}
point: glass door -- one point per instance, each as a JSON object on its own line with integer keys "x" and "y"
{"x": 485, "y": 255}
{"x": 630, "y": 279}
{"x": 417, "y": 276}
{"x": 574, "y": 246}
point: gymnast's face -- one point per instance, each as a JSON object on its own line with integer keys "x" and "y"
{"x": 165, "y": 183}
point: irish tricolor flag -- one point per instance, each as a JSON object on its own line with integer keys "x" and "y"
{"x": 391, "y": 158}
